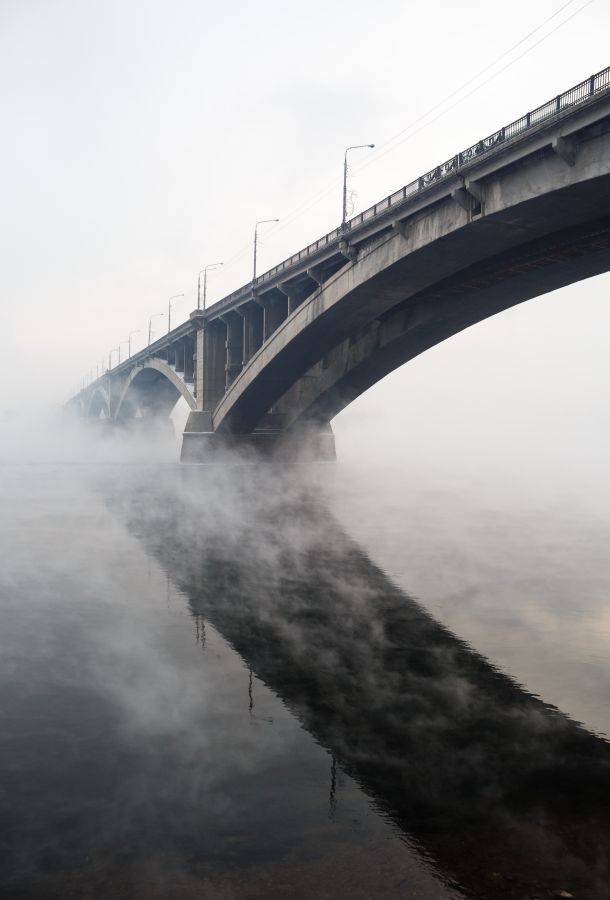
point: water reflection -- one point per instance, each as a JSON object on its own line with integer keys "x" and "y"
{"x": 508, "y": 796}
{"x": 137, "y": 763}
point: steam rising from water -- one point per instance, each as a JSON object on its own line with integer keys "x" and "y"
{"x": 146, "y": 575}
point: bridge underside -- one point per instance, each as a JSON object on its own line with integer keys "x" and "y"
{"x": 332, "y": 349}
{"x": 301, "y": 415}
{"x": 387, "y": 342}
{"x": 150, "y": 395}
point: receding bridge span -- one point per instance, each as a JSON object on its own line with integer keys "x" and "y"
{"x": 518, "y": 214}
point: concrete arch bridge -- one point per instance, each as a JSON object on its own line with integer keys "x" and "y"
{"x": 520, "y": 213}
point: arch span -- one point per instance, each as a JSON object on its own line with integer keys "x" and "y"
{"x": 99, "y": 402}
{"x": 153, "y": 389}
{"x": 426, "y": 280}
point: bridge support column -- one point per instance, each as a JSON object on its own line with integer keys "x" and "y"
{"x": 279, "y": 308}
{"x": 189, "y": 359}
{"x": 234, "y": 346}
{"x": 253, "y": 329}
{"x": 291, "y": 298}
{"x": 179, "y": 356}
{"x": 214, "y": 355}
{"x": 264, "y": 305}
{"x": 199, "y": 367}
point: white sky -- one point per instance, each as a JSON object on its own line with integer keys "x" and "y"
{"x": 142, "y": 139}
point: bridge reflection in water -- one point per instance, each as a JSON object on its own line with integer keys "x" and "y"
{"x": 507, "y": 796}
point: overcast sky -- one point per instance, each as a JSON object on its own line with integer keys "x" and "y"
{"x": 142, "y": 139}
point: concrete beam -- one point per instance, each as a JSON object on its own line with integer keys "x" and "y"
{"x": 314, "y": 274}
{"x": 462, "y": 198}
{"x": 474, "y": 189}
{"x": 401, "y": 228}
{"x": 348, "y": 252}
{"x": 469, "y": 196}
{"x": 565, "y": 148}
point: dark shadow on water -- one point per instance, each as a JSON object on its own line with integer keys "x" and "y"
{"x": 506, "y": 795}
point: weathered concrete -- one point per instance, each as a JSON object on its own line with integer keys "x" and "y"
{"x": 521, "y": 213}
{"x": 544, "y": 226}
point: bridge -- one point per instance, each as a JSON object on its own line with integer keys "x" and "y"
{"x": 520, "y": 213}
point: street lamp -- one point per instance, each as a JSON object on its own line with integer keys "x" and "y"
{"x": 136, "y": 331}
{"x": 204, "y": 271}
{"x": 120, "y": 345}
{"x": 261, "y": 222}
{"x": 169, "y": 311}
{"x": 355, "y": 147}
{"x": 154, "y": 316}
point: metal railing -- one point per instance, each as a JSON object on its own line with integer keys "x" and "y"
{"x": 580, "y": 93}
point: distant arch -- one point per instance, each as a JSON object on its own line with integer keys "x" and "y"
{"x": 99, "y": 402}
{"x": 153, "y": 390}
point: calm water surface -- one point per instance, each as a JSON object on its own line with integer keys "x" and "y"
{"x": 238, "y": 684}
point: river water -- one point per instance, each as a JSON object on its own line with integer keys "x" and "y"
{"x": 325, "y": 682}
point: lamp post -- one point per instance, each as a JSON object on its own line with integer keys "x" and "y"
{"x": 261, "y": 222}
{"x": 204, "y": 272}
{"x": 169, "y": 311}
{"x": 136, "y": 331}
{"x": 205, "y": 281}
{"x": 154, "y": 316}
{"x": 355, "y": 147}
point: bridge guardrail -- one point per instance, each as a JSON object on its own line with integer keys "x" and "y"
{"x": 580, "y": 93}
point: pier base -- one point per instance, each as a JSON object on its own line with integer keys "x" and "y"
{"x": 310, "y": 443}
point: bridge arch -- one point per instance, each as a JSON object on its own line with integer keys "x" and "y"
{"x": 153, "y": 389}
{"x": 99, "y": 402}
{"x": 425, "y": 280}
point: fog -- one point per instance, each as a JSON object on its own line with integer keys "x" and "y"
{"x": 156, "y": 596}
{"x": 387, "y": 676}
{"x": 126, "y": 170}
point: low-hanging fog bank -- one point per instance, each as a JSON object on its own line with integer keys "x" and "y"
{"x": 515, "y": 407}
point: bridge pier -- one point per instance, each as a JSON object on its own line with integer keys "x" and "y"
{"x": 306, "y": 444}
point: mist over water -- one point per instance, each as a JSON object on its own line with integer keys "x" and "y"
{"x": 341, "y": 681}
{"x": 386, "y": 678}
